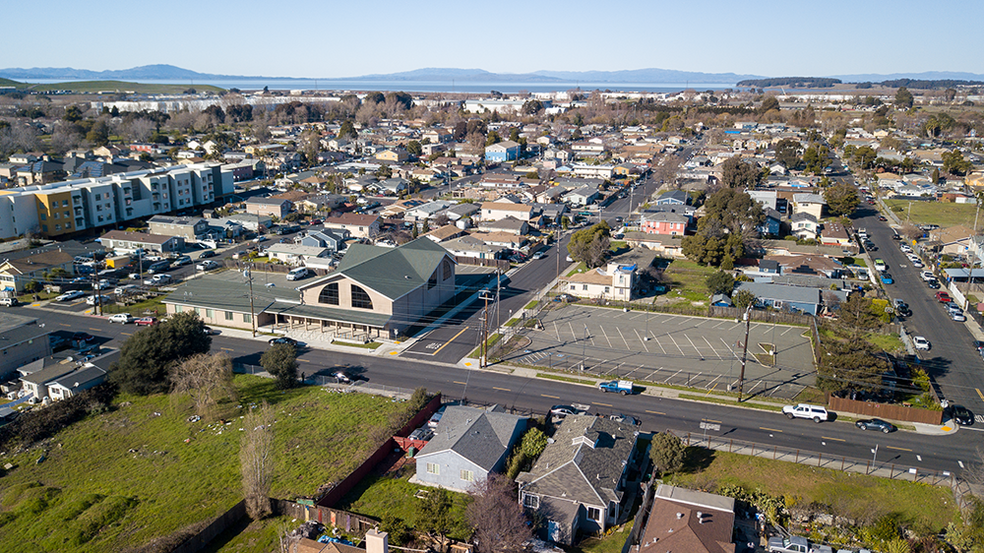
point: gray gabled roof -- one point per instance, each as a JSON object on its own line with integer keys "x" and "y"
{"x": 585, "y": 461}
{"x": 782, "y": 292}
{"x": 479, "y": 435}
{"x": 393, "y": 272}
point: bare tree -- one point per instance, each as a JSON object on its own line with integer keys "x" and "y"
{"x": 498, "y": 519}
{"x": 206, "y": 378}
{"x": 256, "y": 460}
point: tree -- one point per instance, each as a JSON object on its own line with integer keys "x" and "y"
{"x": 816, "y": 158}
{"x": 787, "y": 153}
{"x": 498, "y": 519}
{"x": 769, "y": 103}
{"x": 347, "y": 130}
{"x": 735, "y": 173}
{"x": 206, "y": 378}
{"x": 533, "y": 443}
{"x": 935, "y": 176}
{"x": 435, "y": 512}
{"x": 743, "y": 299}
{"x": 955, "y": 164}
{"x": 865, "y": 156}
{"x": 842, "y": 199}
{"x": 414, "y": 148}
{"x": 720, "y": 283}
{"x": 281, "y": 362}
{"x": 903, "y": 98}
{"x": 492, "y": 138}
{"x": 532, "y": 107}
{"x": 148, "y": 355}
{"x": 666, "y": 452}
{"x": 256, "y": 460}
{"x": 590, "y": 245}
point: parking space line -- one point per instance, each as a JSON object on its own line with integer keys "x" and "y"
{"x": 641, "y": 340}
{"x": 727, "y": 345}
{"x": 556, "y": 331}
{"x": 719, "y": 324}
{"x": 660, "y": 346}
{"x": 637, "y": 316}
{"x": 671, "y": 376}
{"x": 676, "y": 344}
{"x": 787, "y": 330}
{"x": 714, "y": 351}
{"x": 623, "y": 338}
{"x": 574, "y": 334}
{"x": 711, "y": 383}
{"x": 694, "y": 346}
{"x": 606, "y": 337}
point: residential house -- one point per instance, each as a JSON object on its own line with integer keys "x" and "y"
{"x": 474, "y": 248}
{"x": 323, "y": 239}
{"x": 77, "y": 381}
{"x": 506, "y": 150}
{"x": 272, "y": 207}
{"x": 16, "y": 271}
{"x": 663, "y": 223}
{"x": 248, "y": 221}
{"x": 809, "y": 203}
{"x": 445, "y": 233}
{"x": 768, "y": 198}
{"x": 507, "y": 240}
{"x": 617, "y": 280}
{"x": 357, "y": 225}
{"x": 954, "y": 240}
{"x": 38, "y": 375}
{"x": 772, "y": 226}
{"x": 809, "y": 265}
{"x": 394, "y": 155}
{"x": 188, "y": 228}
{"x": 689, "y": 520}
{"x": 673, "y": 197}
{"x": 24, "y": 341}
{"x": 494, "y": 211}
{"x": 122, "y": 241}
{"x": 296, "y": 254}
{"x": 834, "y": 234}
{"x": 578, "y": 482}
{"x": 667, "y": 245}
{"x": 469, "y": 444}
{"x": 509, "y": 225}
{"x": 804, "y": 225}
{"x": 585, "y": 195}
{"x": 784, "y": 297}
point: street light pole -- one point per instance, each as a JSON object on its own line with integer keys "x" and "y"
{"x": 744, "y": 353}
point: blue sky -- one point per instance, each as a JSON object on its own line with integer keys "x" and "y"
{"x": 311, "y": 38}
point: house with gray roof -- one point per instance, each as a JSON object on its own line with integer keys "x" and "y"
{"x": 469, "y": 444}
{"x": 578, "y": 482}
{"x": 186, "y": 227}
{"x": 24, "y": 341}
{"x": 323, "y": 239}
{"x": 784, "y": 297}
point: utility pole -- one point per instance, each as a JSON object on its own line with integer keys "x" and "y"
{"x": 744, "y": 353}
{"x": 483, "y": 361}
{"x": 252, "y": 310}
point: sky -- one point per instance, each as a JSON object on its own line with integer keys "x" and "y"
{"x": 331, "y": 39}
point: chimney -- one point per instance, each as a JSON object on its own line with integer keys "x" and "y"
{"x": 377, "y": 542}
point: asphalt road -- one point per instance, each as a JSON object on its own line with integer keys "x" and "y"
{"x": 767, "y": 429}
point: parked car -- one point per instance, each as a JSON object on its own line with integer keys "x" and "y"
{"x": 207, "y": 254}
{"x": 122, "y": 318}
{"x": 124, "y": 289}
{"x": 958, "y": 316}
{"x": 880, "y": 265}
{"x": 435, "y": 419}
{"x": 943, "y": 297}
{"x": 146, "y": 321}
{"x": 69, "y": 296}
{"x": 886, "y": 278}
{"x": 182, "y": 260}
{"x": 882, "y": 218}
{"x": 876, "y": 424}
{"x": 8, "y": 302}
{"x": 209, "y": 330}
{"x": 158, "y": 280}
{"x": 82, "y": 337}
{"x": 97, "y": 298}
{"x": 283, "y": 340}
{"x": 206, "y": 265}
{"x": 933, "y": 284}
{"x": 960, "y": 414}
{"x": 342, "y": 377}
{"x": 538, "y": 255}
{"x": 627, "y": 419}
{"x": 817, "y": 413}
{"x": 422, "y": 433}
{"x": 298, "y": 273}
{"x": 927, "y": 276}
{"x": 564, "y": 410}
{"x": 921, "y": 343}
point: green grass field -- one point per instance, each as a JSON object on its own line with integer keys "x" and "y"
{"x": 688, "y": 281}
{"x": 934, "y": 213}
{"x": 926, "y": 508}
{"x": 142, "y": 470}
{"x": 92, "y": 87}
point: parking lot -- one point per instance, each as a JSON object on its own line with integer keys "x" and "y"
{"x": 671, "y": 349}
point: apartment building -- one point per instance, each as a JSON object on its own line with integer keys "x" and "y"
{"x": 71, "y": 206}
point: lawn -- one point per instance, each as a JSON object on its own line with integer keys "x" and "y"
{"x": 888, "y": 342}
{"x": 611, "y": 543}
{"x": 687, "y": 280}
{"x": 934, "y": 213}
{"x": 927, "y": 508}
{"x": 139, "y": 309}
{"x": 393, "y": 496}
{"x": 143, "y": 470}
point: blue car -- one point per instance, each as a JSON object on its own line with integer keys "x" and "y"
{"x": 886, "y": 278}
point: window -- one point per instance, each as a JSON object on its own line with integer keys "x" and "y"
{"x": 447, "y": 269}
{"x": 98, "y": 197}
{"x": 64, "y": 203}
{"x": 57, "y": 228}
{"x": 585, "y": 287}
{"x": 44, "y": 216}
{"x": 594, "y": 514}
{"x": 433, "y": 468}
{"x": 531, "y": 501}
{"x": 209, "y": 314}
{"x": 198, "y": 311}
{"x": 360, "y": 299}
{"x": 329, "y": 294}
{"x": 467, "y": 476}
{"x": 247, "y": 317}
{"x": 228, "y": 315}
{"x": 178, "y": 308}
{"x": 432, "y": 281}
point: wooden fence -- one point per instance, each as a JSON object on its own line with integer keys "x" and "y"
{"x": 339, "y": 490}
{"x": 885, "y": 410}
{"x": 500, "y": 264}
{"x": 349, "y": 522}
{"x": 216, "y": 527}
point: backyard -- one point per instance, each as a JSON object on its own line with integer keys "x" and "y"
{"x": 146, "y": 468}
{"x": 687, "y": 281}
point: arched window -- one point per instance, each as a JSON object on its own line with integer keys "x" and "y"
{"x": 360, "y": 299}
{"x": 329, "y": 294}
{"x": 447, "y": 269}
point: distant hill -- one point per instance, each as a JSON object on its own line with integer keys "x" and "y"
{"x": 647, "y": 76}
{"x": 8, "y": 83}
{"x": 791, "y": 82}
{"x": 153, "y": 72}
{"x": 925, "y": 76}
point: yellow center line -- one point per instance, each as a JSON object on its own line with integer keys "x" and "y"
{"x": 898, "y": 448}
{"x": 226, "y": 349}
{"x": 551, "y": 397}
{"x": 94, "y": 329}
{"x": 712, "y": 420}
{"x": 770, "y": 429}
{"x": 126, "y": 333}
{"x": 63, "y": 324}
{"x": 456, "y": 382}
{"x": 979, "y": 393}
{"x": 655, "y": 412}
{"x": 834, "y": 439}
{"x": 449, "y": 341}
{"x": 501, "y": 389}
{"x": 602, "y": 404}
{"x": 303, "y": 360}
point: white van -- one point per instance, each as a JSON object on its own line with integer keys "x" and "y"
{"x": 298, "y": 273}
